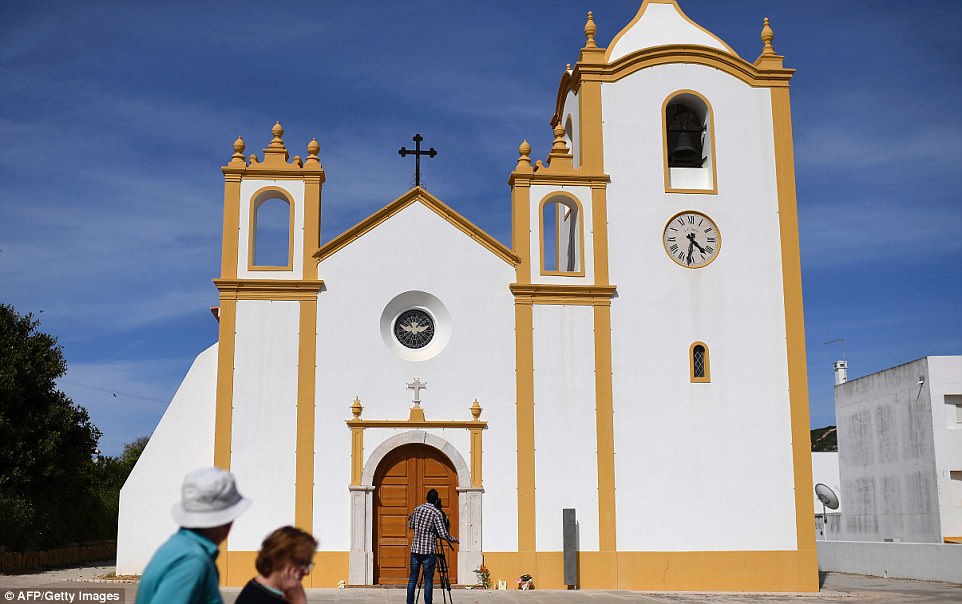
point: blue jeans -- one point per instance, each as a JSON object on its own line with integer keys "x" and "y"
{"x": 419, "y": 562}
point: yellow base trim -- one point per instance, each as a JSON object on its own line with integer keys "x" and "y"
{"x": 237, "y": 568}
{"x": 750, "y": 571}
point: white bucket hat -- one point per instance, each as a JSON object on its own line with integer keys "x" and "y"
{"x": 209, "y": 498}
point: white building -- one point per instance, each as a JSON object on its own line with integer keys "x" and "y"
{"x": 631, "y": 355}
{"x": 900, "y": 453}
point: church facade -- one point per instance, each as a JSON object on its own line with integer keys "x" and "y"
{"x": 637, "y": 354}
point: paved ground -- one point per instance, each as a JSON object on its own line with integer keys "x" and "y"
{"x": 850, "y": 589}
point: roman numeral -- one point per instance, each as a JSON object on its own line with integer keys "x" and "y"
{"x": 712, "y": 240}
{"x": 670, "y": 239}
{"x": 691, "y": 219}
{"x": 673, "y": 248}
{"x": 709, "y": 230}
{"x": 709, "y": 249}
{"x": 681, "y": 222}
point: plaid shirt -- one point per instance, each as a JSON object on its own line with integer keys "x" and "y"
{"x": 428, "y": 523}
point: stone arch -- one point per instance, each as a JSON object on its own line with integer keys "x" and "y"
{"x": 422, "y": 438}
{"x": 361, "y": 559}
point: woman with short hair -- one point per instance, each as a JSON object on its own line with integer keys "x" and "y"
{"x": 285, "y": 558}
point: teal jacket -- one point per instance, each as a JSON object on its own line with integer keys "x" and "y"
{"x": 182, "y": 571}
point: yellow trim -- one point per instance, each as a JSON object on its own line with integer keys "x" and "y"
{"x": 237, "y": 568}
{"x": 521, "y": 227}
{"x": 257, "y": 199}
{"x": 476, "y": 456}
{"x": 750, "y": 571}
{"x": 691, "y": 364}
{"x": 230, "y": 242}
{"x": 605, "y": 430}
{"x": 664, "y": 243}
{"x": 679, "y": 53}
{"x": 952, "y": 539}
{"x": 581, "y": 234}
{"x": 407, "y": 423}
{"x": 304, "y": 455}
{"x": 223, "y": 413}
{"x": 418, "y": 194}
{"x": 524, "y": 334}
{"x": 573, "y": 295}
{"x": 599, "y": 233}
{"x": 711, "y": 135}
{"x": 591, "y": 147}
{"x": 641, "y": 11}
{"x": 268, "y": 289}
{"x": 415, "y": 420}
{"x": 312, "y": 224}
{"x": 794, "y": 335}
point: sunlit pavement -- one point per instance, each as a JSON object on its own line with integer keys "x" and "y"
{"x": 835, "y": 588}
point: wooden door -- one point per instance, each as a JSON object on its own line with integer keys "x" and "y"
{"x": 401, "y": 483}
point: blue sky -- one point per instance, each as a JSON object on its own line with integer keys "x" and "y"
{"x": 115, "y": 118}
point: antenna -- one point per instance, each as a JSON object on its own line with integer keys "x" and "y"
{"x": 842, "y": 340}
{"x": 829, "y": 500}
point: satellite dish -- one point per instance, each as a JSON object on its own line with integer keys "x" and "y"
{"x": 827, "y": 496}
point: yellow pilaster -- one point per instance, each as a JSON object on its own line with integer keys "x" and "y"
{"x": 223, "y": 413}
{"x": 304, "y": 456}
{"x": 525, "y": 425}
{"x": 795, "y": 338}
{"x": 605, "y": 431}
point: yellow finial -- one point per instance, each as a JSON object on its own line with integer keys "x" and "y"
{"x": 237, "y": 159}
{"x": 313, "y": 147}
{"x": 559, "y": 145}
{"x": 356, "y": 408}
{"x": 278, "y": 132}
{"x": 767, "y": 36}
{"x": 475, "y": 410}
{"x": 590, "y": 30}
{"x": 568, "y": 67}
{"x": 524, "y": 159}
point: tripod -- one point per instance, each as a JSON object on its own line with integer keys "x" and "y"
{"x": 442, "y": 566}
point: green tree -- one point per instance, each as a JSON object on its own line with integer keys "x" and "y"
{"x": 47, "y": 443}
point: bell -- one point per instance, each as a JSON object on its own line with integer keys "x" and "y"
{"x": 683, "y": 150}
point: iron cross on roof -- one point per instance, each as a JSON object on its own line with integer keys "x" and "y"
{"x": 417, "y": 153}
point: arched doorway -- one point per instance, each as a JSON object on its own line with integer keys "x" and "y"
{"x": 401, "y": 481}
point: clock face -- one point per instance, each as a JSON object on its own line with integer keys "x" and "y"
{"x": 414, "y": 328}
{"x": 692, "y": 239}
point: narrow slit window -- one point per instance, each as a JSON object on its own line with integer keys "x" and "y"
{"x": 698, "y": 356}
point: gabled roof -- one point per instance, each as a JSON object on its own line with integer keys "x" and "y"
{"x": 417, "y": 194}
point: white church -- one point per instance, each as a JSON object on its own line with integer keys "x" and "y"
{"x": 636, "y": 353}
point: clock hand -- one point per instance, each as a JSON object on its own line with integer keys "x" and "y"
{"x": 689, "y": 251}
{"x": 691, "y": 237}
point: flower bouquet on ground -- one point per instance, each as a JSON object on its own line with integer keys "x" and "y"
{"x": 484, "y": 576}
{"x": 525, "y": 582}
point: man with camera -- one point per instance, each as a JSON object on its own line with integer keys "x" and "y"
{"x": 429, "y": 523}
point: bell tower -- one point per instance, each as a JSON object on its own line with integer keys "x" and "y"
{"x": 268, "y": 333}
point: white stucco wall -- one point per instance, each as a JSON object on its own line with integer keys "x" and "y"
{"x": 945, "y": 390}
{"x": 264, "y": 416}
{"x": 566, "y": 462}
{"x": 897, "y": 449}
{"x": 416, "y": 251}
{"x": 659, "y": 25}
{"x": 182, "y": 441}
{"x": 687, "y": 454}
